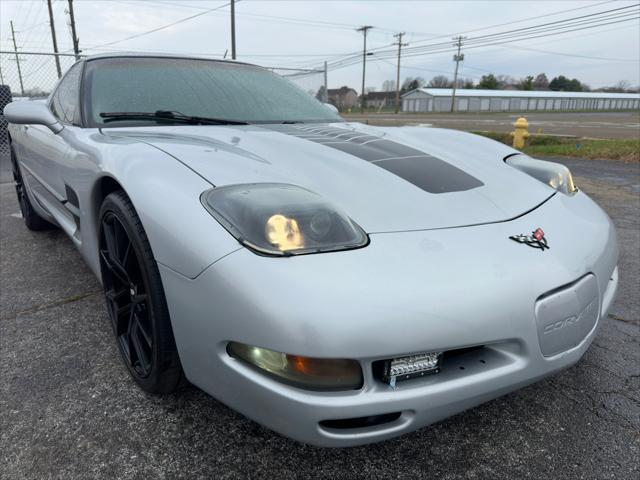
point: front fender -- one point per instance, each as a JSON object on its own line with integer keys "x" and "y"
{"x": 165, "y": 194}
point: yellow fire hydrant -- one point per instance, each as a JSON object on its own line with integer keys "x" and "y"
{"x": 521, "y": 133}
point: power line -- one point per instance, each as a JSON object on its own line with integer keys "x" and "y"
{"x": 153, "y": 30}
{"x": 559, "y": 25}
{"x": 29, "y": 28}
{"x": 576, "y": 55}
{"x": 501, "y": 38}
{"x": 520, "y": 20}
{"x": 518, "y": 33}
{"x": 412, "y": 67}
{"x": 561, "y": 33}
{"x": 259, "y": 17}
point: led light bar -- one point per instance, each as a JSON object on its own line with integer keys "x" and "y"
{"x": 412, "y": 366}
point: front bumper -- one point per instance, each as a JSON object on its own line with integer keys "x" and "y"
{"x": 407, "y": 292}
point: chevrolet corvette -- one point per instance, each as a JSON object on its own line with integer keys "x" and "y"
{"x": 337, "y": 282}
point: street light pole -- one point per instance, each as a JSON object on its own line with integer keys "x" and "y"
{"x": 364, "y": 29}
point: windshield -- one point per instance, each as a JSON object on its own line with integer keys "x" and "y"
{"x": 194, "y": 87}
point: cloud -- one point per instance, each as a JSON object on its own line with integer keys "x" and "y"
{"x": 267, "y": 35}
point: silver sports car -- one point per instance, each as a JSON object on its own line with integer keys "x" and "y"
{"x": 336, "y": 282}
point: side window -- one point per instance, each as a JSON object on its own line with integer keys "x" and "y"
{"x": 65, "y": 100}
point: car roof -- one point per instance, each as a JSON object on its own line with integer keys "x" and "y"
{"x": 160, "y": 55}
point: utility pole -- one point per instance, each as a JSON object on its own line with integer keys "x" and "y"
{"x": 233, "y": 29}
{"x": 364, "y": 29}
{"x": 15, "y": 48}
{"x": 325, "y": 97}
{"x": 457, "y": 58}
{"x": 74, "y": 37}
{"x": 400, "y": 45}
{"x": 53, "y": 38}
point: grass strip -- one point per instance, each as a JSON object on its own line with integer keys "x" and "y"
{"x": 627, "y": 150}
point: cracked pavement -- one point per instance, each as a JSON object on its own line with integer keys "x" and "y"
{"x": 69, "y": 410}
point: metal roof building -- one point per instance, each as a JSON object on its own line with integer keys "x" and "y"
{"x": 472, "y": 100}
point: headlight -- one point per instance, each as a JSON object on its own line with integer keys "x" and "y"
{"x": 304, "y": 372}
{"x": 281, "y": 219}
{"x": 553, "y": 174}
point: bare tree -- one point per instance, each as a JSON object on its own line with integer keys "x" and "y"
{"x": 541, "y": 82}
{"x": 506, "y": 82}
{"x": 388, "y": 85}
{"x": 35, "y": 92}
{"x": 622, "y": 86}
{"x": 440, "y": 81}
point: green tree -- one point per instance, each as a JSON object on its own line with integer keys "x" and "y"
{"x": 488, "y": 82}
{"x": 526, "y": 83}
{"x": 563, "y": 84}
{"x": 412, "y": 83}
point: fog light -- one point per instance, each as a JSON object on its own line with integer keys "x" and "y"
{"x": 303, "y": 372}
{"x": 412, "y": 366}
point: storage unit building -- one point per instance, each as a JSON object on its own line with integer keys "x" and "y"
{"x": 472, "y": 100}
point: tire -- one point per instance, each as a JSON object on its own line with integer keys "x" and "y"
{"x": 135, "y": 298}
{"x": 32, "y": 220}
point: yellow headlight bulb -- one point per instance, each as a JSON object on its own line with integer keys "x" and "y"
{"x": 284, "y": 233}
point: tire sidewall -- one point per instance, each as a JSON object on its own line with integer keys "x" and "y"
{"x": 119, "y": 205}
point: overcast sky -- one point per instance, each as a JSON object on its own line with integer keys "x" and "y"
{"x": 306, "y": 33}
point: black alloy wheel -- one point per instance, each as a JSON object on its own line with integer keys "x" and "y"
{"x": 135, "y": 298}
{"x": 126, "y": 295}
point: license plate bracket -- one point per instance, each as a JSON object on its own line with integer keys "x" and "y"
{"x": 405, "y": 368}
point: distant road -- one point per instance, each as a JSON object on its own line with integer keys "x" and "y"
{"x": 591, "y": 124}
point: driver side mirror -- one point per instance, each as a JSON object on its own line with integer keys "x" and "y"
{"x": 32, "y": 112}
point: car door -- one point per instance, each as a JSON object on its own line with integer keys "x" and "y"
{"x": 44, "y": 153}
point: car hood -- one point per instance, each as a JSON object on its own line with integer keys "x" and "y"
{"x": 386, "y": 179}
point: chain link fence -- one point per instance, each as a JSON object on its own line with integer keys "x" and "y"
{"x": 312, "y": 81}
{"x": 26, "y": 76}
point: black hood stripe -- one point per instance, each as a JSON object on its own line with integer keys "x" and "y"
{"x": 419, "y": 168}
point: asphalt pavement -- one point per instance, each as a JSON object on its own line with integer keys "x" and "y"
{"x": 579, "y": 124}
{"x": 68, "y": 408}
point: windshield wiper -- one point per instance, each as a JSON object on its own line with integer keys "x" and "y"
{"x": 168, "y": 115}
